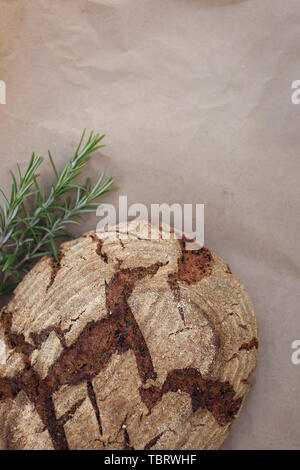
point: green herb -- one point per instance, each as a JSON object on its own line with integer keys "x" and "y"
{"x": 27, "y": 234}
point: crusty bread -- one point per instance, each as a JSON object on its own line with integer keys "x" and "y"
{"x": 127, "y": 344}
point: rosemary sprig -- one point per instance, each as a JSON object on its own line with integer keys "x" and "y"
{"x": 29, "y": 234}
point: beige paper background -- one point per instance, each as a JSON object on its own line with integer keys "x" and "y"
{"x": 195, "y": 99}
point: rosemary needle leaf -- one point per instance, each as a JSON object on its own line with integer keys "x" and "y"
{"x": 53, "y": 165}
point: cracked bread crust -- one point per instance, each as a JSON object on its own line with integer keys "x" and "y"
{"x": 127, "y": 344}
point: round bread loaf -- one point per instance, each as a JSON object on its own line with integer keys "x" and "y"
{"x": 130, "y": 343}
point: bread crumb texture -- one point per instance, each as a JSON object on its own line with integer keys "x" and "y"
{"x": 126, "y": 344}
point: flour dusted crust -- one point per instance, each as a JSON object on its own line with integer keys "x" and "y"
{"x": 127, "y": 344}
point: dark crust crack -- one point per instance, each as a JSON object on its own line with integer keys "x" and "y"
{"x": 93, "y": 400}
{"x": 250, "y": 345}
{"x": 193, "y": 265}
{"x": 99, "y": 249}
{"x": 217, "y": 397}
{"x": 153, "y": 441}
{"x": 13, "y": 340}
{"x": 55, "y": 267}
{"x": 54, "y": 270}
